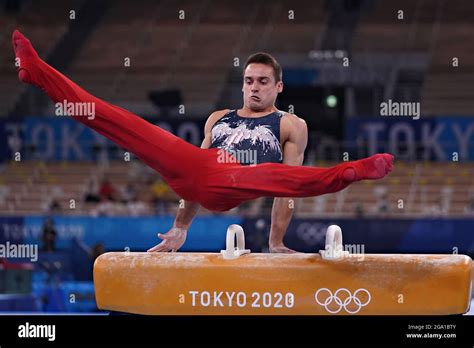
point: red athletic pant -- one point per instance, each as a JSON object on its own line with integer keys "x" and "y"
{"x": 195, "y": 174}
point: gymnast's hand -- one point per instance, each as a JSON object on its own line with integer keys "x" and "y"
{"x": 172, "y": 240}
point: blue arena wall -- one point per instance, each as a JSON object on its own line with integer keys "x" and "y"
{"x": 428, "y": 138}
{"x": 208, "y": 233}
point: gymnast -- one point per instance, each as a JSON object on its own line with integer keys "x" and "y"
{"x": 199, "y": 175}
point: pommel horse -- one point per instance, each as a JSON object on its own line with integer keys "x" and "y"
{"x": 238, "y": 282}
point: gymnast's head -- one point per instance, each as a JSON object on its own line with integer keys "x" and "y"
{"x": 262, "y": 81}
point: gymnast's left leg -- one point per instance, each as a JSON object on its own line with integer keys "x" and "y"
{"x": 175, "y": 159}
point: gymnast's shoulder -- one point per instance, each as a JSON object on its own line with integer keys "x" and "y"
{"x": 214, "y": 117}
{"x": 293, "y": 121}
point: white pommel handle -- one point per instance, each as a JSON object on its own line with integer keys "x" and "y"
{"x": 334, "y": 249}
{"x": 232, "y": 252}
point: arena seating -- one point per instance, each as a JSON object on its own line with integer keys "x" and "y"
{"x": 426, "y": 189}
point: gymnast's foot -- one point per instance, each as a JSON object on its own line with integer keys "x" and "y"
{"x": 27, "y": 58}
{"x": 373, "y": 167}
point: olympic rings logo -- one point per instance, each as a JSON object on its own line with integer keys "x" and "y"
{"x": 311, "y": 233}
{"x": 333, "y": 303}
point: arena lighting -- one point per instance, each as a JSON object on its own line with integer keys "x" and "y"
{"x": 331, "y": 101}
{"x": 327, "y": 54}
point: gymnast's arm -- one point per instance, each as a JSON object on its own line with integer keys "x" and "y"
{"x": 293, "y": 155}
{"x": 176, "y": 236}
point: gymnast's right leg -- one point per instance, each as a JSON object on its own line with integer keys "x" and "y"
{"x": 227, "y": 185}
{"x": 171, "y": 156}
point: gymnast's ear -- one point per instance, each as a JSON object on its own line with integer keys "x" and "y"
{"x": 279, "y": 85}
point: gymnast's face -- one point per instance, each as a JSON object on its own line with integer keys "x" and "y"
{"x": 260, "y": 88}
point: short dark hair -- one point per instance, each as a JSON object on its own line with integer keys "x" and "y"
{"x": 267, "y": 59}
